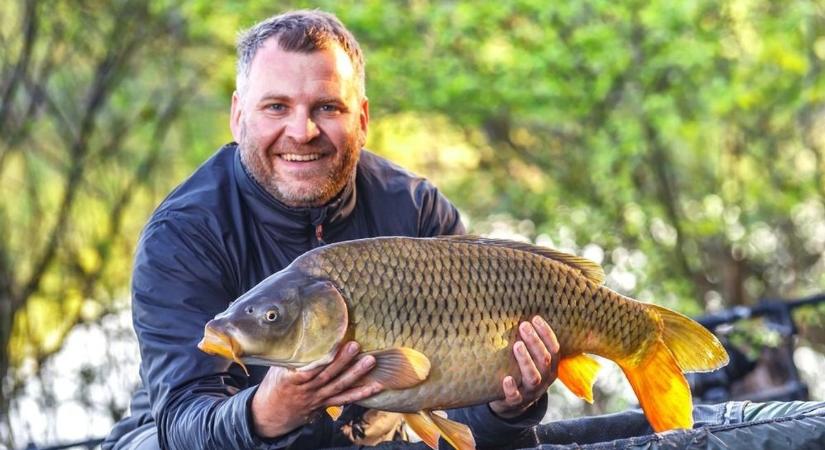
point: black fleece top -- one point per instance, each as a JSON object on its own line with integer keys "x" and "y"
{"x": 216, "y": 236}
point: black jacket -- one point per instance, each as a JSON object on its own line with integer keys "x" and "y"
{"x": 216, "y": 236}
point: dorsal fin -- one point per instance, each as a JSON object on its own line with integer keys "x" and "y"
{"x": 588, "y": 268}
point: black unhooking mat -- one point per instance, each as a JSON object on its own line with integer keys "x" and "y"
{"x": 731, "y": 426}
{"x": 803, "y": 431}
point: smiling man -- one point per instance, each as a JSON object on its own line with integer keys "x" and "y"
{"x": 296, "y": 178}
{"x": 300, "y": 118}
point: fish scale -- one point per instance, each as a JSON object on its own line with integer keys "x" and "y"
{"x": 472, "y": 311}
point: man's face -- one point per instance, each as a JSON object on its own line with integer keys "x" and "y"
{"x": 301, "y": 123}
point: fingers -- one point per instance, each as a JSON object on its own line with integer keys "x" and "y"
{"x": 551, "y": 344}
{"x": 323, "y": 375}
{"x": 354, "y": 394}
{"x": 513, "y": 404}
{"x": 347, "y": 379}
{"x": 530, "y": 375}
{"x": 546, "y": 334}
{"x": 512, "y": 395}
{"x": 537, "y": 355}
{"x": 535, "y": 347}
{"x": 286, "y": 399}
{"x": 537, "y": 358}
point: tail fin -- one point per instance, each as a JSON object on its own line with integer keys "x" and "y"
{"x": 660, "y": 386}
{"x": 661, "y": 389}
{"x": 695, "y": 348}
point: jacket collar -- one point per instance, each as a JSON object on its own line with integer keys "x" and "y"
{"x": 272, "y": 211}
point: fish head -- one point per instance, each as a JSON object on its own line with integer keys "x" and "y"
{"x": 289, "y": 320}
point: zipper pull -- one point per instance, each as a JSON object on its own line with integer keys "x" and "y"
{"x": 319, "y": 234}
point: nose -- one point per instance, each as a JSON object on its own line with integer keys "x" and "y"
{"x": 301, "y": 128}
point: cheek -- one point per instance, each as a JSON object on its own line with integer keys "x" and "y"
{"x": 344, "y": 134}
{"x": 261, "y": 131}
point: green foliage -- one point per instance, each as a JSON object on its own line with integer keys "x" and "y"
{"x": 681, "y": 144}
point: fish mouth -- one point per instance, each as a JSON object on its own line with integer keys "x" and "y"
{"x": 218, "y": 343}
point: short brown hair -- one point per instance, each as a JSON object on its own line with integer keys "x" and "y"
{"x": 302, "y": 31}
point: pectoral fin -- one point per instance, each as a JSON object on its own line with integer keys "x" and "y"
{"x": 578, "y": 373}
{"x": 399, "y": 368}
{"x": 335, "y": 411}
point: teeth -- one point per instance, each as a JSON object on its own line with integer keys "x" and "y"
{"x": 295, "y": 157}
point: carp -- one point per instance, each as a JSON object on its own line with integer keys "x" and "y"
{"x": 440, "y": 315}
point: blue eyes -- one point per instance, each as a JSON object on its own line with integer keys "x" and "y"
{"x": 329, "y": 108}
{"x": 326, "y": 108}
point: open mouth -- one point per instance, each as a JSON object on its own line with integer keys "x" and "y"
{"x": 296, "y": 157}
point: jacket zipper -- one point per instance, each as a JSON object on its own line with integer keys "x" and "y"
{"x": 319, "y": 234}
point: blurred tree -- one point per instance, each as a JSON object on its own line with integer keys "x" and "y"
{"x": 682, "y": 144}
{"x": 688, "y": 132}
{"x": 691, "y": 132}
{"x": 90, "y": 90}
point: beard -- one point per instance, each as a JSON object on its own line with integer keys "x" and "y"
{"x": 317, "y": 186}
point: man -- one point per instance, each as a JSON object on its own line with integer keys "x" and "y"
{"x": 296, "y": 179}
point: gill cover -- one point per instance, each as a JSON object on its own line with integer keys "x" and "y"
{"x": 325, "y": 318}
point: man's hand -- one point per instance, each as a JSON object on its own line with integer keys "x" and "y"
{"x": 537, "y": 355}
{"x": 287, "y": 399}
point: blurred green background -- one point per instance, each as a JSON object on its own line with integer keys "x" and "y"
{"x": 679, "y": 144}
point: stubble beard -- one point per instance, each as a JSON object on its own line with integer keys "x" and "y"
{"x": 259, "y": 163}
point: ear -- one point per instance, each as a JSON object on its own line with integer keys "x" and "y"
{"x": 235, "y": 117}
{"x": 364, "y": 119}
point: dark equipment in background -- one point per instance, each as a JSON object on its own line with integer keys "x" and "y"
{"x": 770, "y": 376}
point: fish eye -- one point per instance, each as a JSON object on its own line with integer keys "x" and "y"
{"x": 271, "y": 315}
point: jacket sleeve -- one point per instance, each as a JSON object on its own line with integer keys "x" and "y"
{"x": 491, "y": 431}
{"x": 180, "y": 281}
{"x": 437, "y": 216}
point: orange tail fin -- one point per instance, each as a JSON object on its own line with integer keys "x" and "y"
{"x": 657, "y": 379}
{"x": 661, "y": 389}
{"x": 695, "y": 348}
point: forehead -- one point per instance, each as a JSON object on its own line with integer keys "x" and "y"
{"x": 274, "y": 68}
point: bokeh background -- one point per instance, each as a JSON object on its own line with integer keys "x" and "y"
{"x": 679, "y": 144}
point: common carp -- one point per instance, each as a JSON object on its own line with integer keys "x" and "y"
{"x": 441, "y": 315}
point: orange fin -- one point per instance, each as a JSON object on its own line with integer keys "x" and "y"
{"x": 424, "y": 427}
{"x": 335, "y": 411}
{"x": 399, "y": 368}
{"x": 578, "y": 373}
{"x": 661, "y": 389}
{"x": 456, "y": 434}
{"x": 695, "y": 348}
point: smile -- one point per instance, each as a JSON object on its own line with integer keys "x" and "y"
{"x": 297, "y": 157}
